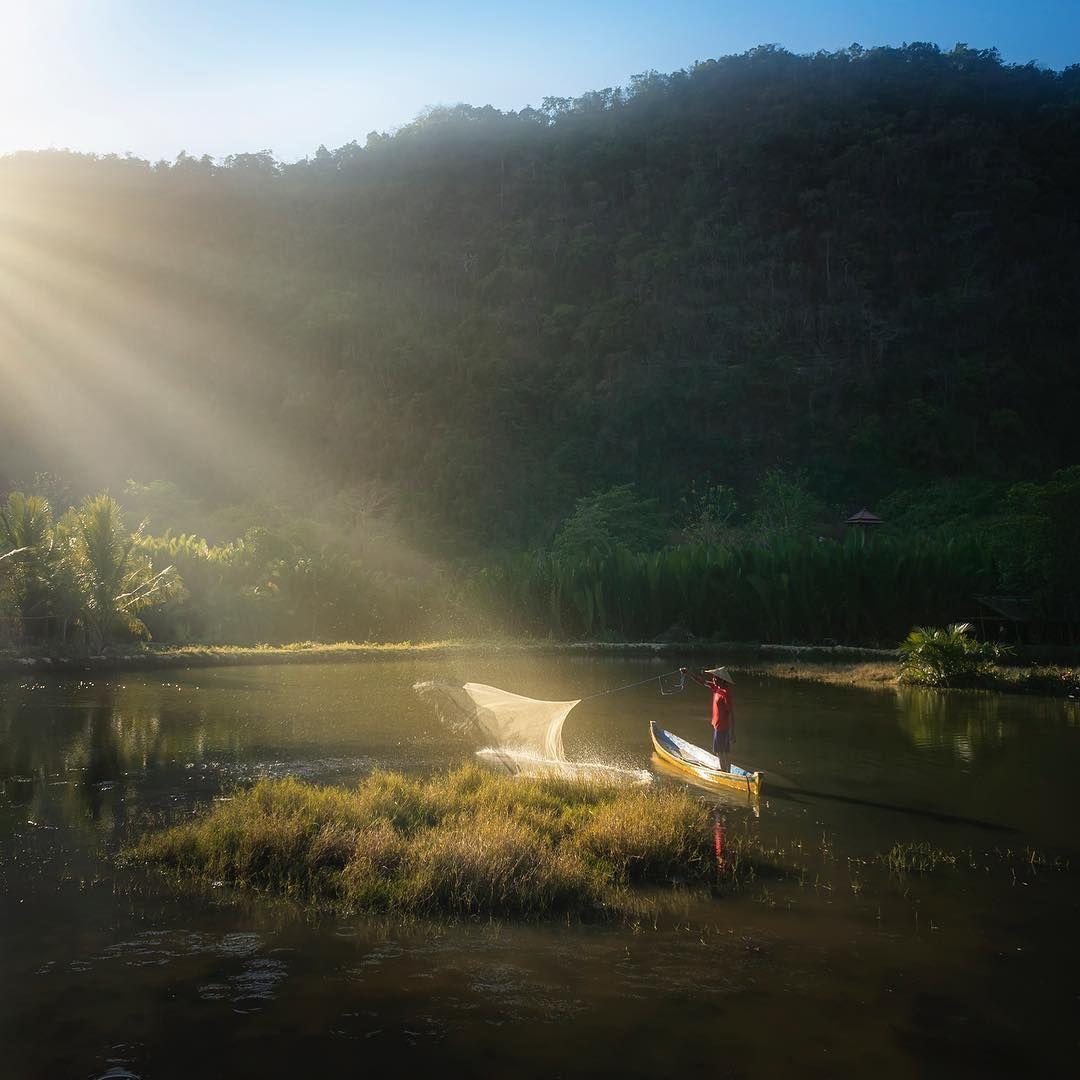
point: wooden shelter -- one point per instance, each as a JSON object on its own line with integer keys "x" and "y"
{"x": 863, "y": 524}
{"x": 1007, "y": 619}
{"x": 863, "y": 519}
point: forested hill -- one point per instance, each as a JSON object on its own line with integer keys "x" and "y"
{"x": 862, "y": 264}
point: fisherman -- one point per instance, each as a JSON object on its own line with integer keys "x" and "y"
{"x": 719, "y": 681}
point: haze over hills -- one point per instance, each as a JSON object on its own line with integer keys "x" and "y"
{"x": 860, "y": 264}
{"x": 450, "y": 582}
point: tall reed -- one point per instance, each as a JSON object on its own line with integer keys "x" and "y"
{"x": 785, "y": 591}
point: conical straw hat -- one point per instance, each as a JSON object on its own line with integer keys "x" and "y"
{"x": 720, "y": 673}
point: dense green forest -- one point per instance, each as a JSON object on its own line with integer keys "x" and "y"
{"x": 715, "y": 311}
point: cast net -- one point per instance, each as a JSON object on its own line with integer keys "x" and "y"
{"x": 518, "y": 733}
{"x": 509, "y": 722}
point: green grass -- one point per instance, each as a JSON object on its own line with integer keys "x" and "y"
{"x": 917, "y": 857}
{"x": 1045, "y": 680}
{"x": 920, "y": 857}
{"x": 468, "y": 844}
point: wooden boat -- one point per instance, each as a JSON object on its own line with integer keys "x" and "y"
{"x": 699, "y": 763}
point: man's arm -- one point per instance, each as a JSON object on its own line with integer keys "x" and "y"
{"x": 697, "y": 678}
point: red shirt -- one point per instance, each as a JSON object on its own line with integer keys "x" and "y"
{"x": 721, "y": 706}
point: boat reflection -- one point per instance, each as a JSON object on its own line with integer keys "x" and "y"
{"x": 734, "y": 798}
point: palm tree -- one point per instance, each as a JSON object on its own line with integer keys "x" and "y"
{"x": 117, "y": 580}
{"x": 26, "y": 528}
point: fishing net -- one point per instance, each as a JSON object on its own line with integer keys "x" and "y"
{"x": 502, "y": 719}
{"x": 674, "y": 682}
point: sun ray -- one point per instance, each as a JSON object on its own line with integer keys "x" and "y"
{"x": 92, "y": 333}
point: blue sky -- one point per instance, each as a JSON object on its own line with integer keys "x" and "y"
{"x": 153, "y": 78}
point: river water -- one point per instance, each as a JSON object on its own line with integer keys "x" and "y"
{"x": 848, "y": 969}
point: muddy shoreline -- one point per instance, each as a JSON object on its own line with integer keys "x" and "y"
{"x": 840, "y": 665}
{"x": 747, "y": 656}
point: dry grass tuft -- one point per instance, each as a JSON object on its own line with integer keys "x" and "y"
{"x": 467, "y": 844}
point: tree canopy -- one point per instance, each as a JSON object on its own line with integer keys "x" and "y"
{"x": 861, "y": 265}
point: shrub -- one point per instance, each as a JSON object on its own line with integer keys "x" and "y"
{"x": 950, "y": 657}
{"x": 618, "y": 517}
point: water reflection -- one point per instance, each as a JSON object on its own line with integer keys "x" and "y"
{"x": 963, "y": 724}
{"x": 90, "y": 754}
{"x": 969, "y": 722}
{"x": 721, "y": 797}
{"x": 81, "y": 759}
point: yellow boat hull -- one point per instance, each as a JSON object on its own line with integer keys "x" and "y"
{"x": 693, "y": 761}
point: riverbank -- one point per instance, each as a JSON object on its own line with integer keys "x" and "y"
{"x": 1040, "y": 680}
{"x": 841, "y": 664}
{"x": 747, "y": 656}
{"x": 872, "y": 675}
{"x": 838, "y": 665}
